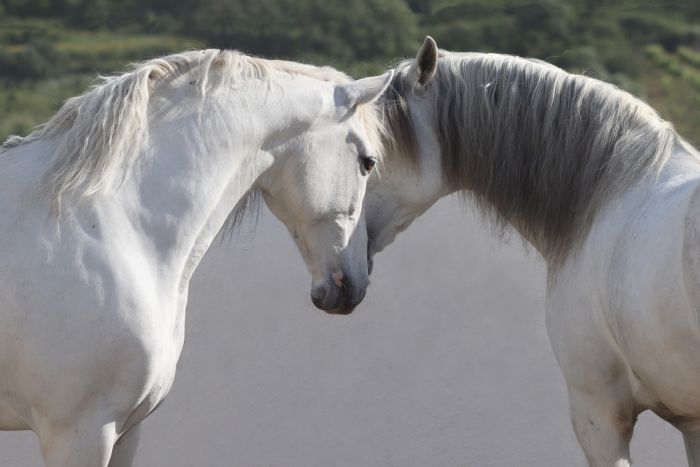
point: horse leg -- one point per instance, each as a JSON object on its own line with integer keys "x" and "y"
{"x": 125, "y": 449}
{"x": 602, "y": 407}
{"x": 691, "y": 437}
{"x": 603, "y": 426}
{"x": 85, "y": 444}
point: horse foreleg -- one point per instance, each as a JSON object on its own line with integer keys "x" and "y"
{"x": 603, "y": 409}
{"x": 603, "y": 426}
{"x": 125, "y": 449}
{"x": 85, "y": 444}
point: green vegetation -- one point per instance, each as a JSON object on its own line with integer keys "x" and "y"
{"x": 42, "y": 63}
{"x": 51, "y": 49}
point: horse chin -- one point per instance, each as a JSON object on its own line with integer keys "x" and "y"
{"x": 344, "y": 307}
{"x": 335, "y": 307}
{"x": 341, "y": 311}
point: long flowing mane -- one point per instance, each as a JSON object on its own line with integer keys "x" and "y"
{"x": 533, "y": 146}
{"x": 98, "y": 133}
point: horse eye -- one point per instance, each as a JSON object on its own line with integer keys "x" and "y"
{"x": 368, "y": 163}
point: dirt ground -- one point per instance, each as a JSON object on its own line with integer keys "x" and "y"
{"x": 445, "y": 364}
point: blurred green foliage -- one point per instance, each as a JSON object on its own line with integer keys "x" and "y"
{"x": 49, "y": 49}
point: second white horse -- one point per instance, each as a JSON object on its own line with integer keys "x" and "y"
{"x": 603, "y": 188}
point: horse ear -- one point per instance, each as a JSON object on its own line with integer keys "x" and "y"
{"x": 426, "y": 62}
{"x": 362, "y": 91}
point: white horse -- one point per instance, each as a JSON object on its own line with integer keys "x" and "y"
{"x": 603, "y": 188}
{"x": 108, "y": 208}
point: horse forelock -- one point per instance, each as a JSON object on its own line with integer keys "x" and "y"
{"x": 534, "y": 146}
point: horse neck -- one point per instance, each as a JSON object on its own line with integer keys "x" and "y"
{"x": 544, "y": 154}
{"x": 196, "y": 169}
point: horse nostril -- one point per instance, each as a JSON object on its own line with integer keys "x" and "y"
{"x": 338, "y": 279}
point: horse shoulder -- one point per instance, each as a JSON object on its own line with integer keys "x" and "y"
{"x": 93, "y": 315}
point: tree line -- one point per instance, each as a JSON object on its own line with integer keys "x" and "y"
{"x": 591, "y": 34}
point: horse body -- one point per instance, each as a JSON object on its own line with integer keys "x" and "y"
{"x": 604, "y": 189}
{"x": 92, "y": 308}
{"x": 622, "y": 314}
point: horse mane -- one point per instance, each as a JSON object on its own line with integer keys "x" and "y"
{"x": 98, "y": 133}
{"x": 535, "y": 147}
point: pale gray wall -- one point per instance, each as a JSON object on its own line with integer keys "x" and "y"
{"x": 446, "y": 363}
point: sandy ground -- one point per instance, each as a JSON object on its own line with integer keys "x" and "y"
{"x": 446, "y": 363}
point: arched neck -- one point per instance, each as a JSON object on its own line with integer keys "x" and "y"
{"x": 202, "y": 158}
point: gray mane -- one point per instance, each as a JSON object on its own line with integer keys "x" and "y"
{"x": 534, "y": 146}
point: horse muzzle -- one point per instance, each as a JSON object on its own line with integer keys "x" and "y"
{"x": 339, "y": 294}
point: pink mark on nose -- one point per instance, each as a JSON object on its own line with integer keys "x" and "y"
{"x": 338, "y": 278}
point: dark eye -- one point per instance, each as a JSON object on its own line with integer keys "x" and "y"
{"x": 368, "y": 163}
